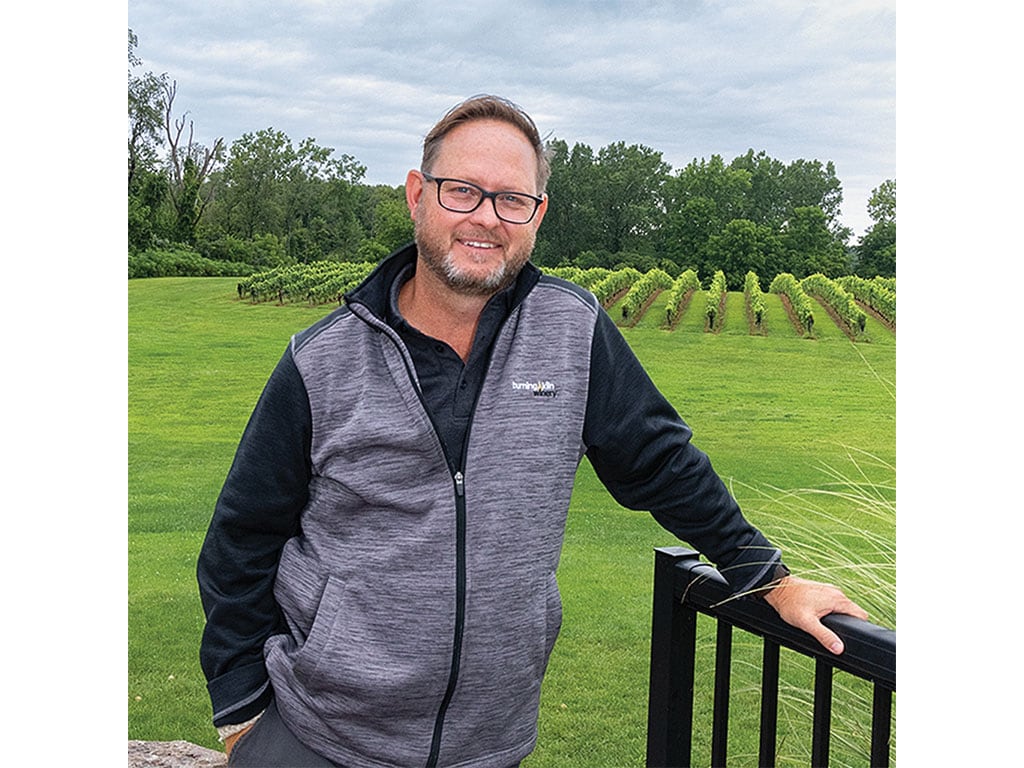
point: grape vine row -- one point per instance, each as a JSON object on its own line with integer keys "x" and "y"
{"x": 803, "y": 308}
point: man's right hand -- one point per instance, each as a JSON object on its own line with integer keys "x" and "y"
{"x": 229, "y": 742}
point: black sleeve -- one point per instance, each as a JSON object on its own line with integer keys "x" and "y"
{"x": 641, "y": 450}
{"x": 256, "y": 513}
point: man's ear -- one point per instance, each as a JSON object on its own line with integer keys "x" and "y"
{"x": 413, "y": 191}
{"x": 538, "y": 217}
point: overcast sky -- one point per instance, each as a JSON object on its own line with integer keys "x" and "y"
{"x": 688, "y": 78}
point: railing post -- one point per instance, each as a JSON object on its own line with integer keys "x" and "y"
{"x": 881, "y": 727}
{"x": 673, "y": 646}
{"x": 723, "y": 675}
{"x": 769, "y": 703}
{"x": 822, "y": 714}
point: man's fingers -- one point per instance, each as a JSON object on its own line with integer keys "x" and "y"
{"x": 827, "y": 638}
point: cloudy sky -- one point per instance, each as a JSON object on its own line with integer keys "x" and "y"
{"x": 689, "y": 78}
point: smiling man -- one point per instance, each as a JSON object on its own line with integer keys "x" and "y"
{"x": 379, "y": 574}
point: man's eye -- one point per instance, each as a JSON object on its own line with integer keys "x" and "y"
{"x": 514, "y": 201}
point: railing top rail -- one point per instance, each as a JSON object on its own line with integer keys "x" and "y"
{"x": 870, "y": 649}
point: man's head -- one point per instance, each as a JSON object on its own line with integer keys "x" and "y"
{"x": 483, "y": 146}
{"x": 488, "y": 108}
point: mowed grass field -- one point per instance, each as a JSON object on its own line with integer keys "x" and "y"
{"x": 803, "y": 430}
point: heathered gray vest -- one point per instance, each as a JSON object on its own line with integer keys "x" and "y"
{"x": 412, "y": 592}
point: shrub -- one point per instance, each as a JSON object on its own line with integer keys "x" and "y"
{"x": 181, "y": 261}
{"x": 643, "y": 289}
{"x": 266, "y": 250}
{"x": 684, "y": 285}
{"x": 787, "y": 285}
{"x": 755, "y": 297}
{"x": 716, "y": 292}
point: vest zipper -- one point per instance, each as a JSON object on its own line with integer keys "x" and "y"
{"x": 460, "y": 615}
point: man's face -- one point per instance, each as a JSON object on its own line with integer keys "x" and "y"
{"x": 476, "y": 253}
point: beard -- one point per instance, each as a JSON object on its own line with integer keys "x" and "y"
{"x": 436, "y": 252}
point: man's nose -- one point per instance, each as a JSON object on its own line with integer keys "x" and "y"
{"x": 485, "y": 214}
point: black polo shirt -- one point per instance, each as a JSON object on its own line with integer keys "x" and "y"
{"x": 450, "y": 386}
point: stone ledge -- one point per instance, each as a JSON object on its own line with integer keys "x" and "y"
{"x": 173, "y": 754}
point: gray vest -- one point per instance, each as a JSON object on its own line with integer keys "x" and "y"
{"x": 412, "y": 591}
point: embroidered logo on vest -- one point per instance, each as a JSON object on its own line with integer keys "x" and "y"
{"x": 537, "y": 388}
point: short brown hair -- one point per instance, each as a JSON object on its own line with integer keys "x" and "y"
{"x": 487, "y": 107}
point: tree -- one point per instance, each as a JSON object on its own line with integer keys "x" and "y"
{"x": 189, "y": 165}
{"x": 383, "y": 215}
{"x": 627, "y": 195}
{"x": 876, "y": 250}
{"x": 145, "y": 115}
{"x": 728, "y": 188}
{"x": 809, "y": 246}
{"x": 392, "y": 225}
{"x": 147, "y": 187}
{"x": 882, "y": 203}
{"x": 145, "y": 210}
{"x": 766, "y": 201}
{"x": 301, "y": 194}
{"x": 699, "y": 200}
{"x": 571, "y": 222}
{"x": 741, "y": 247}
{"x": 256, "y": 165}
{"x": 777, "y": 190}
{"x": 688, "y": 231}
{"x": 808, "y": 183}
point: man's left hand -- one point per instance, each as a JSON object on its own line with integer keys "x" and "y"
{"x": 803, "y": 603}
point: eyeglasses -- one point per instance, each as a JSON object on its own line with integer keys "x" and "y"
{"x": 464, "y": 197}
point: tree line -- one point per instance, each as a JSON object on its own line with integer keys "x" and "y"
{"x": 265, "y": 201}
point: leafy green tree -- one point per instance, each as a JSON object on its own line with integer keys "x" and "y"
{"x": 593, "y": 259}
{"x": 688, "y": 231}
{"x": 777, "y": 190}
{"x": 641, "y": 262}
{"x": 628, "y": 195}
{"x": 741, "y": 247}
{"x": 699, "y": 200}
{"x": 876, "y": 249}
{"x": 146, "y": 210}
{"x": 728, "y": 188}
{"x": 147, "y": 185}
{"x": 383, "y": 216}
{"x": 302, "y": 194}
{"x": 809, "y": 245}
{"x": 882, "y": 203}
{"x": 392, "y": 224}
{"x": 807, "y": 183}
{"x": 145, "y": 115}
{"x": 766, "y": 201}
{"x": 571, "y": 222}
{"x": 256, "y": 165}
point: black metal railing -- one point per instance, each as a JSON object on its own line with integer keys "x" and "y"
{"x": 685, "y": 586}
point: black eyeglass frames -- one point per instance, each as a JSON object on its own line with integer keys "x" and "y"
{"x": 461, "y": 196}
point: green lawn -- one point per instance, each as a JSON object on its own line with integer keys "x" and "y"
{"x": 787, "y": 422}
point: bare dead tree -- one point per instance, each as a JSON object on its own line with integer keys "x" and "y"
{"x": 189, "y": 166}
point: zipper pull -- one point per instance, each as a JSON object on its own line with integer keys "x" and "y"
{"x": 460, "y": 483}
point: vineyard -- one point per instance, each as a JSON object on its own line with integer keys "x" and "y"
{"x": 653, "y": 298}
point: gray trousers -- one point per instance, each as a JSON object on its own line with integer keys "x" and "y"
{"x": 269, "y": 744}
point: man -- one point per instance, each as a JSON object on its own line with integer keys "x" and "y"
{"x": 379, "y": 573}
